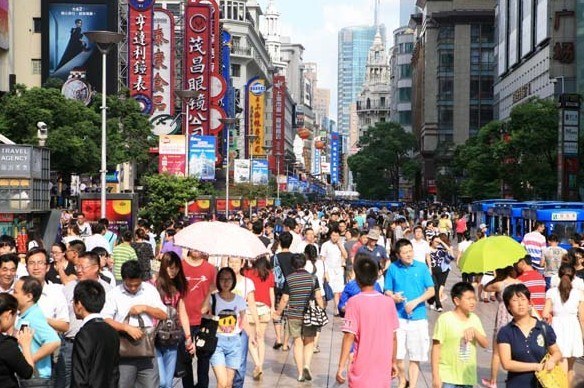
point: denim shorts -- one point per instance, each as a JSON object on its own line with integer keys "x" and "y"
{"x": 228, "y": 352}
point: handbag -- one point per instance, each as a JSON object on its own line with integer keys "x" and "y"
{"x": 206, "y": 338}
{"x": 142, "y": 348}
{"x": 555, "y": 378}
{"x": 314, "y": 315}
{"x": 168, "y": 331}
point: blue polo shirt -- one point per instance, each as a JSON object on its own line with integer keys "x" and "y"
{"x": 530, "y": 349}
{"x": 43, "y": 333}
{"x": 377, "y": 254}
{"x": 351, "y": 289}
{"x": 412, "y": 280}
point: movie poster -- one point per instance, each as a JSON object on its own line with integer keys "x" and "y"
{"x": 67, "y": 53}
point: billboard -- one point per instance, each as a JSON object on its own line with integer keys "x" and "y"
{"x": 335, "y": 157}
{"x": 259, "y": 171}
{"x": 120, "y": 210}
{"x": 140, "y": 20}
{"x": 67, "y": 53}
{"x": 279, "y": 124}
{"x": 241, "y": 170}
{"x": 256, "y": 89}
{"x": 163, "y": 72}
{"x": 4, "y": 20}
{"x": 202, "y": 157}
{"x": 171, "y": 154}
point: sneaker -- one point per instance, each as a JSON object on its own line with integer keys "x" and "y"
{"x": 316, "y": 349}
{"x": 432, "y": 307}
{"x": 306, "y": 374}
{"x": 439, "y": 309}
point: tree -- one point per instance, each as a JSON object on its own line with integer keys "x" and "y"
{"x": 167, "y": 194}
{"x": 385, "y": 152}
{"x": 74, "y": 136}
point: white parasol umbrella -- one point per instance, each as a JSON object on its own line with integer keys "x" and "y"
{"x": 221, "y": 239}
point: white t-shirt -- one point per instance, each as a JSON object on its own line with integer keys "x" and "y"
{"x": 463, "y": 245}
{"x": 421, "y": 249}
{"x": 244, "y": 287}
{"x": 53, "y": 303}
{"x": 229, "y": 315}
{"x": 331, "y": 254}
{"x": 119, "y": 302}
{"x": 97, "y": 240}
{"x": 319, "y": 264}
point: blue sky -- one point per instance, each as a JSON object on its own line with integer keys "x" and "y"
{"x": 316, "y": 23}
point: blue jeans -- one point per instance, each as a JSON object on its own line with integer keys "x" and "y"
{"x": 166, "y": 358}
{"x": 63, "y": 365}
{"x": 240, "y": 373}
{"x": 202, "y": 369}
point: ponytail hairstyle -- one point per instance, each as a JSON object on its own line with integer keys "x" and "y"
{"x": 566, "y": 274}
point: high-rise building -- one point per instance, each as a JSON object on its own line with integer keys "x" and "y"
{"x": 353, "y": 49}
{"x": 401, "y": 77}
{"x": 452, "y": 75}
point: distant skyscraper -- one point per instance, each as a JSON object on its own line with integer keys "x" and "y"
{"x": 353, "y": 46}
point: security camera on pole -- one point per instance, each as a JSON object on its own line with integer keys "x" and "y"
{"x": 42, "y": 133}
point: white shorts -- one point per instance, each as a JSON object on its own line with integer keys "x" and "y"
{"x": 336, "y": 279}
{"x": 413, "y": 339}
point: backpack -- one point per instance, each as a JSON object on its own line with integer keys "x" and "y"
{"x": 278, "y": 228}
{"x": 279, "y": 278}
{"x": 206, "y": 338}
{"x": 168, "y": 331}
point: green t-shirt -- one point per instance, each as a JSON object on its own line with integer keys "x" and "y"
{"x": 458, "y": 360}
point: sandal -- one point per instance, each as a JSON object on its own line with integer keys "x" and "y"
{"x": 277, "y": 345}
{"x": 257, "y": 374}
{"x": 285, "y": 348}
{"x": 316, "y": 349}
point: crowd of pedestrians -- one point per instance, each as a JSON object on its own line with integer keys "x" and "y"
{"x": 130, "y": 309}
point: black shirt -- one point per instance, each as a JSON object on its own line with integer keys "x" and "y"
{"x": 12, "y": 362}
{"x": 285, "y": 260}
{"x": 53, "y": 275}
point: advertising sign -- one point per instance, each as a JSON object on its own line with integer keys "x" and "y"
{"x": 335, "y": 157}
{"x": 171, "y": 144}
{"x": 256, "y": 89}
{"x": 4, "y": 20}
{"x": 120, "y": 210}
{"x": 15, "y": 161}
{"x": 67, "y": 53}
{"x": 140, "y": 19}
{"x": 279, "y": 124}
{"x": 197, "y": 75}
{"x": 163, "y": 71}
{"x": 202, "y": 157}
{"x": 228, "y": 101}
{"x": 172, "y": 164}
{"x": 259, "y": 172}
{"x": 241, "y": 170}
{"x": 171, "y": 155}
{"x": 293, "y": 184}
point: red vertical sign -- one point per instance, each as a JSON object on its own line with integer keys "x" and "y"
{"x": 279, "y": 124}
{"x": 140, "y": 55}
{"x": 197, "y": 66}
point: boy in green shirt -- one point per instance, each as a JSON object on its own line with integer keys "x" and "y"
{"x": 456, "y": 333}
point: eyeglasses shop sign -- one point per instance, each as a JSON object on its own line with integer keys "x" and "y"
{"x": 15, "y": 161}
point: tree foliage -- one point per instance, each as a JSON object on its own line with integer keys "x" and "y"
{"x": 167, "y": 194}
{"x": 519, "y": 154}
{"x": 74, "y": 136}
{"x": 384, "y": 155}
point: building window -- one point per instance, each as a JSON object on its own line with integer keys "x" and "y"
{"x": 445, "y": 117}
{"x": 36, "y": 25}
{"x": 234, "y": 10}
{"x": 36, "y": 66}
{"x": 479, "y": 116}
{"x": 406, "y": 48}
{"x": 405, "y": 118}
{"x": 482, "y": 59}
{"x": 235, "y": 70}
{"x": 446, "y": 34}
{"x": 405, "y": 94}
{"x": 382, "y": 101}
{"x": 405, "y": 71}
{"x": 482, "y": 33}
{"x": 174, "y": 8}
{"x": 446, "y": 60}
{"x": 446, "y": 89}
{"x": 481, "y": 87}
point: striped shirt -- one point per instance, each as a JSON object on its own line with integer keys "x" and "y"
{"x": 122, "y": 253}
{"x": 534, "y": 242}
{"x": 535, "y": 283}
{"x": 298, "y": 287}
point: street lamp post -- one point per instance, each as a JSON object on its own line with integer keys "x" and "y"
{"x": 185, "y": 96}
{"x": 227, "y": 122}
{"x": 104, "y": 40}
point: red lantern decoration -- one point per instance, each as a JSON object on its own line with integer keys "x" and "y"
{"x": 319, "y": 145}
{"x": 304, "y": 133}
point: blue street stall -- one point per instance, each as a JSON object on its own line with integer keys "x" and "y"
{"x": 482, "y": 212}
{"x": 563, "y": 219}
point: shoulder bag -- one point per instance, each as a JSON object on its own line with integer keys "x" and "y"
{"x": 142, "y": 348}
{"x": 206, "y": 338}
{"x": 314, "y": 315}
{"x": 555, "y": 378}
{"x": 169, "y": 331}
{"x": 326, "y": 287}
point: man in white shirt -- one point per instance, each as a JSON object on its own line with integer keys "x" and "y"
{"x": 290, "y": 225}
{"x": 334, "y": 255}
{"x": 84, "y": 226}
{"x": 97, "y": 239}
{"x": 52, "y": 301}
{"x": 132, "y": 298}
{"x": 421, "y": 246}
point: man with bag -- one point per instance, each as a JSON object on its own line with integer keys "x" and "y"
{"x": 130, "y": 309}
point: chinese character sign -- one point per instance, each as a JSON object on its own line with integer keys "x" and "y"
{"x": 140, "y": 19}
{"x": 163, "y": 63}
{"x": 197, "y": 64}
{"x": 279, "y": 126}
{"x": 335, "y": 157}
{"x": 256, "y": 89}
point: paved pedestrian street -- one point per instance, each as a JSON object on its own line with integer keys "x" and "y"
{"x": 280, "y": 371}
